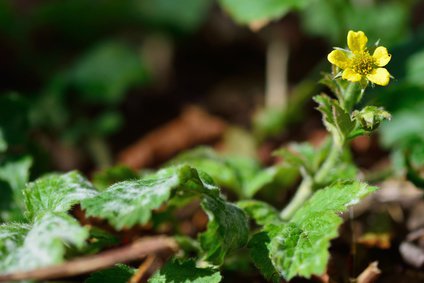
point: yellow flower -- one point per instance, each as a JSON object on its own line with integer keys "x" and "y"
{"x": 358, "y": 64}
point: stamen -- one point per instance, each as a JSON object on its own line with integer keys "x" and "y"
{"x": 363, "y": 63}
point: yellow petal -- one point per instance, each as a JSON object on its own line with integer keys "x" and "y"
{"x": 379, "y": 76}
{"x": 381, "y": 56}
{"x": 339, "y": 58}
{"x": 351, "y": 75}
{"x": 356, "y": 41}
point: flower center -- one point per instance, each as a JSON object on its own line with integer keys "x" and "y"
{"x": 363, "y": 63}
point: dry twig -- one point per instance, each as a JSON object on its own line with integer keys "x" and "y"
{"x": 142, "y": 269}
{"x": 136, "y": 250}
{"x": 370, "y": 274}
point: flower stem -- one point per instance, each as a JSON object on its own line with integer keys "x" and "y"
{"x": 306, "y": 187}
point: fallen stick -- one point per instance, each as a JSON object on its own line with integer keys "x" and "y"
{"x": 370, "y": 274}
{"x": 136, "y": 250}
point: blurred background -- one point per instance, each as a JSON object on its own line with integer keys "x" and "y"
{"x": 87, "y": 84}
{"x": 90, "y": 84}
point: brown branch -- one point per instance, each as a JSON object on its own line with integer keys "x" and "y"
{"x": 136, "y": 250}
{"x": 142, "y": 269}
{"x": 370, "y": 274}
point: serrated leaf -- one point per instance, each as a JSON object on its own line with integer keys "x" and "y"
{"x": 42, "y": 243}
{"x": 336, "y": 120}
{"x": 130, "y": 203}
{"x": 120, "y": 273}
{"x": 177, "y": 271}
{"x": 227, "y": 229}
{"x": 259, "y": 211}
{"x": 259, "y": 253}
{"x": 56, "y": 193}
{"x": 300, "y": 247}
{"x": 259, "y": 10}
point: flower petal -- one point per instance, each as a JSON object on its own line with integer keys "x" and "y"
{"x": 381, "y": 56}
{"x": 351, "y": 75}
{"x": 379, "y": 76}
{"x": 339, "y": 58}
{"x": 356, "y": 41}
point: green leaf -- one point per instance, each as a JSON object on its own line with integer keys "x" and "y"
{"x": 43, "y": 243}
{"x": 105, "y": 73}
{"x": 223, "y": 172}
{"x": 259, "y": 10}
{"x": 120, "y": 273}
{"x": 336, "y": 120}
{"x": 16, "y": 174}
{"x": 227, "y": 229}
{"x": 259, "y": 253}
{"x": 242, "y": 175}
{"x": 56, "y": 193}
{"x": 3, "y": 143}
{"x": 182, "y": 15}
{"x": 300, "y": 247}
{"x": 304, "y": 156}
{"x": 259, "y": 211}
{"x": 279, "y": 176}
{"x": 109, "y": 176}
{"x": 130, "y": 203}
{"x": 177, "y": 271}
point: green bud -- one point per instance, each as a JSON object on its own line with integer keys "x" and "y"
{"x": 370, "y": 117}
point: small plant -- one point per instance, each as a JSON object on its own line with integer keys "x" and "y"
{"x": 281, "y": 244}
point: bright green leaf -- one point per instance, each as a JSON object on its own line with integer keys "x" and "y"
{"x": 259, "y": 211}
{"x": 56, "y": 193}
{"x": 246, "y": 12}
{"x": 300, "y": 247}
{"x": 43, "y": 243}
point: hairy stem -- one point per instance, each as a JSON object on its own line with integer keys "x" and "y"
{"x": 306, "y": 187}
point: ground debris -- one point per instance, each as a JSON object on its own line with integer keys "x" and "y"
{"x": 193, "y": 127}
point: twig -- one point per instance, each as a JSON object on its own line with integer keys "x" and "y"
{"x": 370, "y": 274}
{"x": 277, "y": 57}
{"x": 136, "y": 250}
{"x": 142, "y": 269}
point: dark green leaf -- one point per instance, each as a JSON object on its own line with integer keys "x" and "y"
{"x": 107, "y": 177}
{"x": 120, "y": 273}
{"x": 107, "y": 72}
{"x": 177, "y": 271}
{"x": 258, "y": 248}
{"x": 336, "y": 120}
